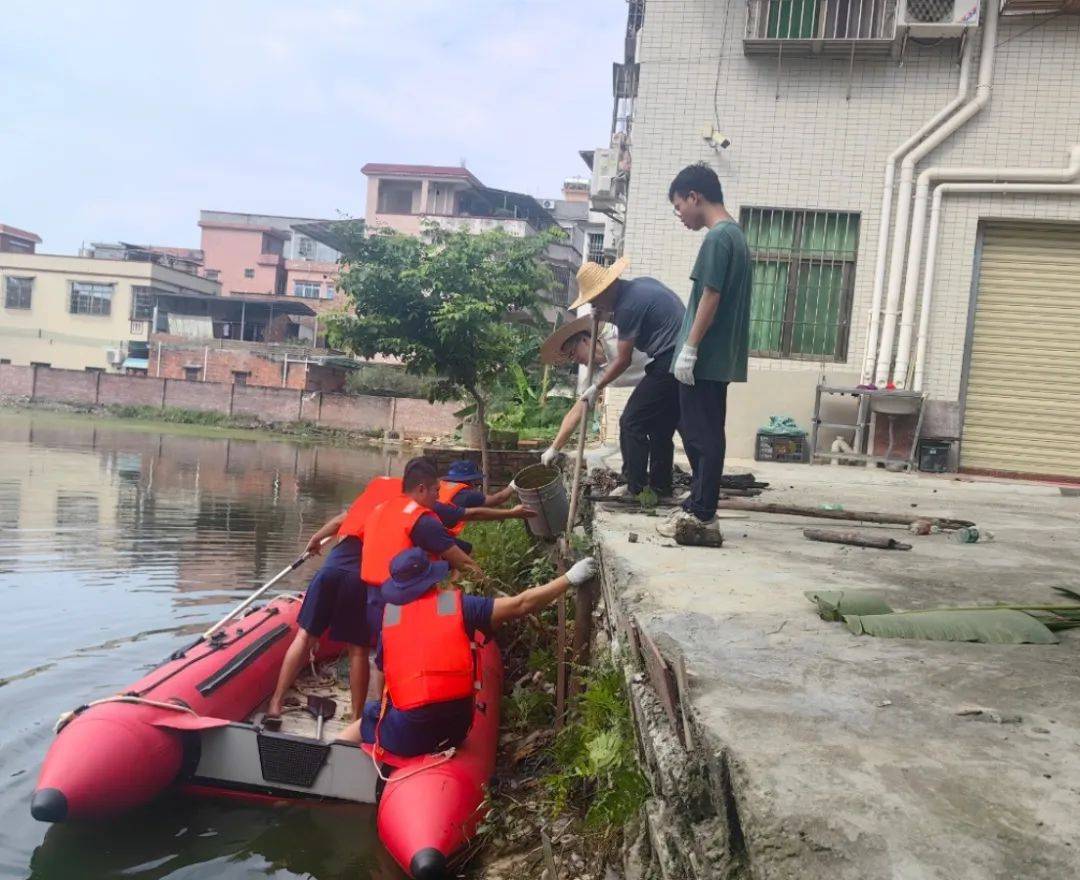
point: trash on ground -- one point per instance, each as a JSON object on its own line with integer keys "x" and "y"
{"x": 992, "y": 626}
{"x": 854, "y": 539}
{"x": 781, "y": 425}
{"x": 834, "y": 604}
{"x": 972, "y": 535}
{"x": 980, "y": 713}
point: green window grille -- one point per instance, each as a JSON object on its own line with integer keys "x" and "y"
{"x": 804, "y": 274}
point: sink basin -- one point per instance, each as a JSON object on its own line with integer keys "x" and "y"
{"x": 895, "y": 406}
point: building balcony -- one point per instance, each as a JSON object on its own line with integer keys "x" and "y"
{"x": 820, "y": 27}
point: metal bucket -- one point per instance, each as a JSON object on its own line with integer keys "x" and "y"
{"x": 541, "y": 488}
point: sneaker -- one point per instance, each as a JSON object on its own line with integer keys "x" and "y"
{"x": 622, "y": 491}
{"x": 667, "y": 527}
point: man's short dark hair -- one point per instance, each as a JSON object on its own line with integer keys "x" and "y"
{"x": 419, "y": 471}
{"x": 699, "y": 178}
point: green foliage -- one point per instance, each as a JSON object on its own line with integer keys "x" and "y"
{"x": 507, "y": 552}
{"x": 170, "y": 414}
{"x": 596, "y": 755}
{"x": 388, "y": 380}
{"x": 525, "y": 404}
{"x": 455, "y": 306}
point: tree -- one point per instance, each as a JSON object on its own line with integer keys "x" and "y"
{"x": 456, "y": 306}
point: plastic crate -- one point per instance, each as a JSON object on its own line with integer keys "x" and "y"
{"x": 782, "y": 447}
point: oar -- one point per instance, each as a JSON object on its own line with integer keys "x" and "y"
{"x": 206, "y": 636}
{"x": 288, "y": 569}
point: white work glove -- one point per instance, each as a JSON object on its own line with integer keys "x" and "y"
{"x": 581, "y": 571}
{"x": 590, "y": 395}
{"x": 684, "y": 364}
{"x": 548, "y": 456}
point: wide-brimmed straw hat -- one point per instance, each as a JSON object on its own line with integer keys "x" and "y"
{"x": 593, "y": 279}
{"x": 551, "y": 352}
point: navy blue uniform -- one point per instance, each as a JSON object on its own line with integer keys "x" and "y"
{"x": 337, "y": 599}
{"x": 437, "y": 726}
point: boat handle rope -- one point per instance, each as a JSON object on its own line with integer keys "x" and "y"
{"x": 70, "y": 715}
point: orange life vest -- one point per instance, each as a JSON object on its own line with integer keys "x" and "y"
{"x": 447, "y": 491}
{"x": 386, "y": 533}
{"x": 375, "y": 493}
{"x": 427, "y": 655}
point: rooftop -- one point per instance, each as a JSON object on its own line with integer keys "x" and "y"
{"x": 15, "y": 232}
{"x": 453, "y": 172}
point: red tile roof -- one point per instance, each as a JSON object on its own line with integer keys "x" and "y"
{"x": 381, "y": 169}
{"x": 19, "y": 233}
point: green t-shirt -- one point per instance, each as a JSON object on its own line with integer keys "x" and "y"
{"x": 724, "y": 264}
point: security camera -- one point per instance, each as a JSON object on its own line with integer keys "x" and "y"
{"x": 714, "y": 139}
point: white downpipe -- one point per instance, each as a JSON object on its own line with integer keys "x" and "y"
{"x": 931, "y": 252}
{"x": 880, "y": 261}
{"x": 907, "y": 177}
{"x": 918, "y": 228}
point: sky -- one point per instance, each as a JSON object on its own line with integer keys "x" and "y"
{"x": 121, "y": 120}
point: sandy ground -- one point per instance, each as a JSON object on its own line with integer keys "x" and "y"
{"x": 847, "y": 755}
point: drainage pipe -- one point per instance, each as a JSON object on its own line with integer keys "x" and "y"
{"x": 931, "y": 252}
{"x": 870, "y": 356}
{"x": 918, "y": 230}
{"x": 907, "y": 177}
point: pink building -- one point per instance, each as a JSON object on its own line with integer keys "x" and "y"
{"x": 403, "y": 197}
{"x": 244, "y": 257}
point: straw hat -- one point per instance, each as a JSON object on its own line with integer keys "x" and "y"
{"x": 593, "y": 279}
{"x": 551, "y": 351}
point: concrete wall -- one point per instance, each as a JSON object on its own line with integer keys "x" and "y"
{"x": 411, "y": 418}
{"x": 814, "y": 133}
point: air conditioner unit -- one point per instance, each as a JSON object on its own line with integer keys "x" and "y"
{"x": 114, "y": 356}
{"x": 938, "y": 19}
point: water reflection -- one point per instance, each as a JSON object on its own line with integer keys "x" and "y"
{"x": 116, "y": 544}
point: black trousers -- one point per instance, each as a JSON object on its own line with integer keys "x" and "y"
{"x": 647, "y": 428}
{"x": 704, "y": 412}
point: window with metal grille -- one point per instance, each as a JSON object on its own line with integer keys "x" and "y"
{"x": 329, "y": 290}
{"x": 91, "y": 299}
{"x": 305, "y": 248}
{"x": 142, "y": 303}
{"x": 306, "y": 289}
{"x": 596, "y": 247}
{"x": 191, "y": 374}
{"x": 240, "y": 377}
{"x": 804, "y": 274}
{"x": 18, "y": 292}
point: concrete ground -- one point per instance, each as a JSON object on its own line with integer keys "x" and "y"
{"x": 844, "y": 756}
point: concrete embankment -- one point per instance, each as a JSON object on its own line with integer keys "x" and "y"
{"x": 783, "y": 746}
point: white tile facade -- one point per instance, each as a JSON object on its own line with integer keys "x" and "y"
{"x": 799, "y": 141}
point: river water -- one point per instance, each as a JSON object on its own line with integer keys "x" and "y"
{"x": 117, "y": 544}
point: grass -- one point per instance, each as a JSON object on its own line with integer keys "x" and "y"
{"x": 589, "y": 771}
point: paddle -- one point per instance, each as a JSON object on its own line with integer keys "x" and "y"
{"x": 206, "y": 636}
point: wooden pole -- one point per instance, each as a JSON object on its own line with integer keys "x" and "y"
{"x": 575, "y": 491}
{"x": 854, "y": 539}
{"x": 893, "y": 519}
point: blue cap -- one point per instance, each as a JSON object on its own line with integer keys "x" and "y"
{"x": 412, "y": 574}
{"x": 463, "y": 471}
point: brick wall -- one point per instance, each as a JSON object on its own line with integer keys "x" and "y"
{"x": 412, "y": 418}
{"x": 351, "y": 413}
{"x": 130, "y": 390}
{"x": 269, "y": 404}
{"x": 66, "y": 386}
{"x": 202, "y": 396}
{"x": 223, "y": 363}
{"x": 16, "y": 381}
{"x": 815, "y": 132}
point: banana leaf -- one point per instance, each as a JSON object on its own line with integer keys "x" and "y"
{"x": 992, "y": 626}
{"x": 834, "y": 604}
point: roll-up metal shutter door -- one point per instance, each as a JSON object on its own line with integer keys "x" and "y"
{"x": 1022, "y": 408}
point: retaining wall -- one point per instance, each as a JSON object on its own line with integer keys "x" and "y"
{"x": 410, "y": 418}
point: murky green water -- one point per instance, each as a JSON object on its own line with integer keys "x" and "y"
{"x": 116, "y": 545}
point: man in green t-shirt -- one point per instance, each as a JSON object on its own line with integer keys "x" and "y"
{"x": 712, "y": 345}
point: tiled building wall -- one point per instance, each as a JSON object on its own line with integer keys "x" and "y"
{"x": 814, "y": 133}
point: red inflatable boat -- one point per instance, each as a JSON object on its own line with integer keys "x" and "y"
{"x": 195, "y": 722}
